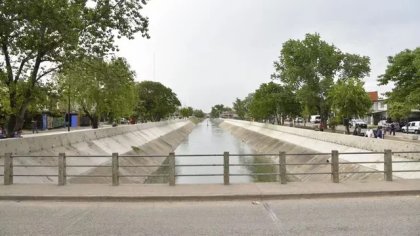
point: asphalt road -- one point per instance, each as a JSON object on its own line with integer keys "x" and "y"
{"x": 353, "y": 216}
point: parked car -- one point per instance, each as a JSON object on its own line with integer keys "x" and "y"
{"x": 315, "y": 119}
{"x": 299, "y": 120}
{"x": 358, "y": 122}
{"x": 413, "y": 127}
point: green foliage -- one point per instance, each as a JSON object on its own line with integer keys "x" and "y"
{"x": 38, "y": 36}
{"x": 99, "y": 88}
{"x": 311, "y": 66}
{"x": 199, "y": 114}
{"x": 155, "y": 101}
{"x": 398, "y": 110}
{"x": 272, "y": 99}
{"x": 240, "y": 108}
{"x": 349, "y": 99}
{"x": 186, "y": 111}
{"x": 404, "y": 71}
{"x": 217, "y": 110}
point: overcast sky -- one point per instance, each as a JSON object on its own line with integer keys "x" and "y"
{"x": 212, "y": 51}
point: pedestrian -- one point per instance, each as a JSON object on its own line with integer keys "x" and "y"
{"x": 392, "y": 129}
{"x": 34, "y": 126}
{"x": 379, "y": 134}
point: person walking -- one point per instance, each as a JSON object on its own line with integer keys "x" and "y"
{"x": 34, "y": 126}
{"x": 379, "y": 132}
{"x": 392, "y": 129}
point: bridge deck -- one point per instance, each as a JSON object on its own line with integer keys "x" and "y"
{"x": 253, "y": 191}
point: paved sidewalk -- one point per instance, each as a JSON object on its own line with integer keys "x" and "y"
{"x": 206, "y": 192}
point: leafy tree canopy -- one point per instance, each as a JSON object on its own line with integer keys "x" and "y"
{"x": 99, "y": 88}
{"x": 404, "y": 71}
{"x": 186, "y": 111}
{"x": 311, "y": 66}
{"x": 155, "y": 101}
{"x": 349, "y": 99}
{"x": 38, "y": 36}
{"x": 273, "y": 99}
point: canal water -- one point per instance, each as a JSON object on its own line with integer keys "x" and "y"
{"x": 208, "y": 138}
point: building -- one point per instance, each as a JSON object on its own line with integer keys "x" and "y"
{"x": 379, "y": 109}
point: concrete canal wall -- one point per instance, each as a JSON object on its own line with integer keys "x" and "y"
{"x": 267, "y": 138}
{"x": 157, "y": 138}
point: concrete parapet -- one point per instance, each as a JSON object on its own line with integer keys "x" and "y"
{"x": 48, "y": 142}
{"x": 376, "y": 145}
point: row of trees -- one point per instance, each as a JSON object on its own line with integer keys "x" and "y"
{"x": 56, "y": 52}
{"x": 314, "y": 77}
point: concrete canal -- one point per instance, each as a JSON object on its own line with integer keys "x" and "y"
{"x": 208, "y": 138}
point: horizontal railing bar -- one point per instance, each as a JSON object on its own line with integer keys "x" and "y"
{"x": 408, "y": 152}
{"x": 255, "y": 174}
{"x": 36, "y": 156}
{"x": 307, "y": 164}
{"x": 351, "y": 153}
{"x": 318, "y": 173}
{"x": 89, "y": 176}
{"x": 143, "y": 156}
{"x": 192, "y": 165}
{"x": 361, "y": 172}
{"x": 43, "y": 175}
{"x": 306, "y": 154}
{"x": 199, "y": 175}
{"x": 361, "y": 162}
{"x": 198, "y": 155}
{"x": 143, "y": 165}
{"x": 257, "y": 164}
{"x": 405, "y": 170}
{"x": 405, "y": 161}
{"x": 143, "y": 175}
{"x": 73, "y": 166}
{"x": 35, "y": 166}
{"x": 86, "y": 156}
{"x": 254, "y": 155}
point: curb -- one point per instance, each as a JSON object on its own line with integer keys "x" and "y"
{"x": 208, "y": 198}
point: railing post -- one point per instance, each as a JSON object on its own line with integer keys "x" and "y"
{"x": 388, "y": 164}
{"x": 334, "y": 166}
{"x": 171, "y": 162}
{"x": 282, "y": 167}
{"x": 62, "y": 174}
{"x": 8, "y": 169}
{"x": 226, "y": 168}
{"x": 115, "y": 167}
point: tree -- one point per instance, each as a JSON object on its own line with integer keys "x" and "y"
{"x": 240, "y": 108}
{"x": 273, "y": 100}
{"x": 155, "y": 101}
{"x": 398, "y": 110}
{"x": 404, "y": 71}
{"x": 186, "y": 111}
{"x": 311, "y": 66}
{"x": 99, "y": 88}
{"x": 38, "y": 36}
{"x": 199, "y": 114}
{"x": 217, "y": 110}
{"x": 349, "y": 99}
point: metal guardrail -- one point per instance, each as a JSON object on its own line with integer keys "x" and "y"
{"x": 282, "y": 166}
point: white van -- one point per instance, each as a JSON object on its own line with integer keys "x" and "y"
{"x": 315, "y": 119}
{"x": 413, "y": 127}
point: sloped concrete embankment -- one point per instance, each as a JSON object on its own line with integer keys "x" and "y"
{"x": 265, "y": 138}
{"x": 158, "y": 138}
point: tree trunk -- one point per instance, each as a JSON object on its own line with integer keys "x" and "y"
{"x": 95, "y": 122}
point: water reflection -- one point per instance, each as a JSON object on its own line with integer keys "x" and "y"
{"x": 208, "y": 138}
